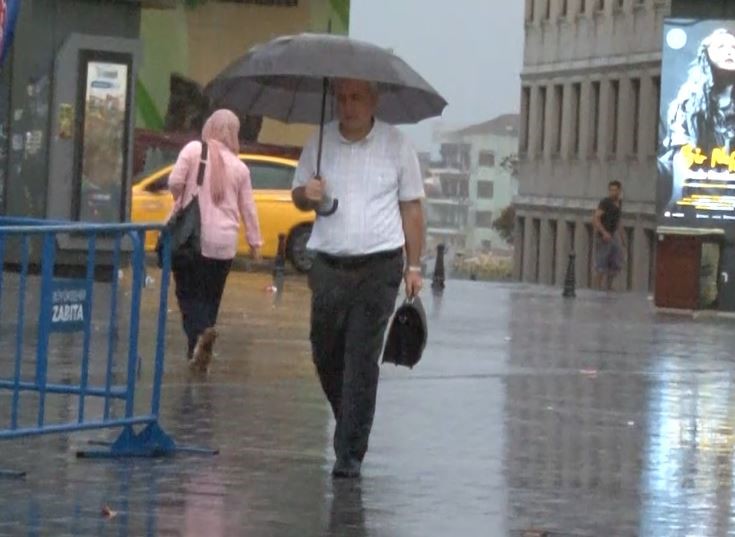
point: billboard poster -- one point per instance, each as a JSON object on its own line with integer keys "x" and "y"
{"x": 104, "y": 141}
{"x": 696, "y": 156}
{"x": 8, "y": 16}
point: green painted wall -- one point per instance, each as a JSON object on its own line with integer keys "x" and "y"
{"x": 165, "y": 37}
{"x": 165, "y": 49}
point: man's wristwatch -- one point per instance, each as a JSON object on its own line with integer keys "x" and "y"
{"x": 415, "y": 269}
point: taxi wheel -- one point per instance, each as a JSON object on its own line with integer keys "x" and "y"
{"x": 296, "y": 251}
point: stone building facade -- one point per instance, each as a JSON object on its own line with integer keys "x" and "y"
{"x": 589, "y": 115}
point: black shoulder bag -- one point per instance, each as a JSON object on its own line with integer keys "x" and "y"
{"x": 185, "y": 227}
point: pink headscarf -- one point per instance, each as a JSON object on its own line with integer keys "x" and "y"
{"x": 220, "y": 132}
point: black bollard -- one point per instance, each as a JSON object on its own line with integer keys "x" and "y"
{"x": 570, "y": 281}
{"x": 437, "y": 283}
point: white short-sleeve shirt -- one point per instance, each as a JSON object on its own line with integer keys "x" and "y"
{"x": 369, "y": 178}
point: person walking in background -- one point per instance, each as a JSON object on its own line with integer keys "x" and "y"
{"x": 370, "y": 167}
{"x": 610, "y": 252}
{"x": 226, "y": 196}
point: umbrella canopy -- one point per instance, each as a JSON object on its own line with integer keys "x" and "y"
{"x": 284, "y": 80}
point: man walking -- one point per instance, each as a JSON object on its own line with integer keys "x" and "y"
{"x": 370, "y": 167}
{"x": 610, "y": 241}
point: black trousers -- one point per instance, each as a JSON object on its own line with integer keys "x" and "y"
{"x": 199, "y": 291}
{"x": 352, "y": 302}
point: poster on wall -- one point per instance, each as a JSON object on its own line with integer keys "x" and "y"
{"x": 696, "y": 157}
{"x": 104, "y": 141}
{"x": 8, "y": 17}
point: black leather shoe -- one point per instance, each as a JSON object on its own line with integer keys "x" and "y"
{"x": 346, "y": 469}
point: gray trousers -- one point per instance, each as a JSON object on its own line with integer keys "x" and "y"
{"x": 352, "y": 302}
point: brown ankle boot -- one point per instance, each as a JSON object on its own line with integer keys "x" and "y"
{"x": 202, "y": 357}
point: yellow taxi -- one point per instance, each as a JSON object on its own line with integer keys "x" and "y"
{"x": 271, "y": 178}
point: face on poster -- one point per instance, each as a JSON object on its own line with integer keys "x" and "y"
{"x": 696, "y": 158}
{"x": 103, "y": 152}
{"x": 9, "y": 10}
{"x": 3, "y": 16}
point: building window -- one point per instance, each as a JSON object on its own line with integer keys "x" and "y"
{"x": 485, "y": 189}
{"x": 447, "y": 216}
{"x": 619, "y": 5}
{"x": 635, "y": 86}
{"x": 520, "y": 243}
{"x": 525, "y": 118}
{"x": 595, "y": 112}
{"x": 548, "y": 9}
{"x": 558, "y": 118}
{"x": 456, "y": 156}
{"x": 455, "y": 185}
{"x": 564, "y": 8}
{"x": 613, "y": 108}
{"x": 484, "y": 219}
{"x": 554, "y": 231}
{"x": 542, "y": 117}
{"x": 656, "y": 112}
{"x": 530, "y": 4}
{"x": 582, "y": 7}
{"x": 571, "y": 236}
{"x": 600, "y": 5}
{"x": 536, "y": 237}
{"x": 630, "y": 262}
{"x": 576, "y": 120}
{"x": 487, "y": 159}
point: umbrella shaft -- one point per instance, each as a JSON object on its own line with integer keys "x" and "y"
{"x": 325, "y": 89}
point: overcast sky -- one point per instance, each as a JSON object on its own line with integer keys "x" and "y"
{"x": 471, "y": 51}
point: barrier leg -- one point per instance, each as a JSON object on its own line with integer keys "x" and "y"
{"x": 11, "y": 474}
{"x": 152, "y": 441}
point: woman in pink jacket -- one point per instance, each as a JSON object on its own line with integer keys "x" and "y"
{"x": 226, "y": 196}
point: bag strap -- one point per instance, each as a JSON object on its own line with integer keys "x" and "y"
{"x": 200, "y": 178}
{"x": 202, "y": 164}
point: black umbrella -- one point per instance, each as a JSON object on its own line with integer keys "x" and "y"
{"x": 288, "y": 79}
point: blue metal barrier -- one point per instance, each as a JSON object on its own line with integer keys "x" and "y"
{"x": 66, "y": 306}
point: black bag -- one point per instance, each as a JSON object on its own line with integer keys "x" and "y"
{"x": 185, "y": 227}
{"x": 407, "y": 335}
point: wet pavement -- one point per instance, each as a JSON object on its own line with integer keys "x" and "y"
{"x": 591, "y": 417}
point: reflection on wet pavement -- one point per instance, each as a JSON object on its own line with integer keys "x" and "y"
{"x": 583, "y": 418}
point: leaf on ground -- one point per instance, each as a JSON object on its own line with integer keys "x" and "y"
{"x": 107, "y": 512}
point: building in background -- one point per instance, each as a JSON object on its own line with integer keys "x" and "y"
{"x": 448, "y": 198}
{"x": 589, "y": 115}
{"x": 591, "y": 90}
{"x": 470, "y": 186}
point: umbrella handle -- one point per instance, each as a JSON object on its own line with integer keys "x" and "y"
{"x": 330, "y": 211}
{"x": 335, "y": 202}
